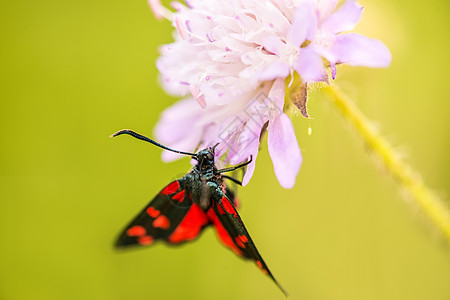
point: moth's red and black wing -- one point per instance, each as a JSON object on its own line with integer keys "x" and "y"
{"x": 233, "y": 234}
{"x": 170, "y": 216}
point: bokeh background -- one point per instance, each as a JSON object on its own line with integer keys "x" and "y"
{"x": 73, "y": 72}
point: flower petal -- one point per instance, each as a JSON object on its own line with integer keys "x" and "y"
{"x": 276, "y": 94}
{"x": 239, "y": 139}
{"x": 189, "y": 144}
{"x": 177, "y": 128}
{"x": 303, "y": 25}
{"x": 309, "y": 65}
{"x": 277, "y": 69}
{"x": 284, "y": 150}
{"x": 250, "y": 167}
{"x": 273, "y": 44}
{"x": 198, "y": 96}
{"x": 345, "y": 18}
{"x": 325, "y": 7}
{"x": 250, "y": 170}
{"x": 358, "y": 50}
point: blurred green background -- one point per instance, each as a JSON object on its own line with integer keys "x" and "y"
{"x": 73, "y": 72}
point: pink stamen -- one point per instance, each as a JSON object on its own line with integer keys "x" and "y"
{"x": 180, "y": 28}
{"x": 188, "y": 26}
{"x": 198, "y": 96}
{"x": 157, "y": 8}
{"x": 210, "y": 38}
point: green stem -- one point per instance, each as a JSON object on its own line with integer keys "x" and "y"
{"x": 432, "y": 206}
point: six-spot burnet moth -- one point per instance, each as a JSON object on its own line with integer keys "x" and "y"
{"x": 186, "y": 206}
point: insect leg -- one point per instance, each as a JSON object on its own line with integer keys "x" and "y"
{"x": 232, "y": 179}
{"x": 235, "y": 167}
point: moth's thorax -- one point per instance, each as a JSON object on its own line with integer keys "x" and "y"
{"x": 204, "y": 179}
{"x": 204, "y": 187}
{"x": 203, "y": 175}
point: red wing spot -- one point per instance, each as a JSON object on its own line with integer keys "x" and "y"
{"x": 153, "y": 212}
{"x": 239, "y": 242}
{"x": 243, "y": 238}
{"x": 161, "y": 222}
{"x": 228, "y": 207}
{"x": 191, "y": 226}
{"x": 261, "y": 267}
{"x": 179, "y": 197}
{"x": 171, "y": 188}
{"x": 136, "y": 231}
{"x": 145, "y": 240}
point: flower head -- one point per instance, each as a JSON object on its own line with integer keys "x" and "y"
{"x": 230, "y": 59}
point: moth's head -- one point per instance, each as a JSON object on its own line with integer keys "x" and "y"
{"x": 205, "y": 157}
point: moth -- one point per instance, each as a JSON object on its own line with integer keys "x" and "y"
{"x": 186, "y": 206}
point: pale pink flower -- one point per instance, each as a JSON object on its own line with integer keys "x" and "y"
{"x": 230, "y": 60}
{"x": 315, "y": 33}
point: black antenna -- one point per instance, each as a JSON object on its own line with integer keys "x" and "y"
{"x": 144, "y": 138}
